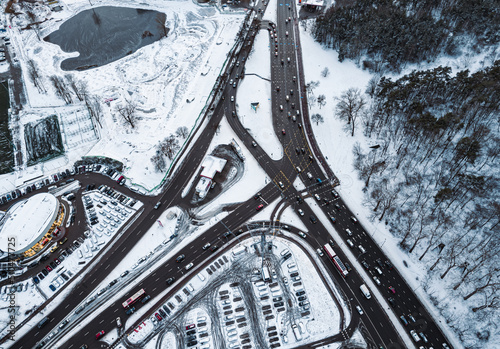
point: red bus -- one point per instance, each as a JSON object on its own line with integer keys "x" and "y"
{"x": 138, "y": 295}
{"x": 336, "y": 260}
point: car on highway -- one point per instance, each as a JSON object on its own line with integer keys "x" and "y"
{"x": 415, "y": 336}
{"x": 254, "y": 144}
{"x": 388, "y": 264}
{"x": 411, "y": 318}
{"x": 391, "y": 301}
{"x": 170, "y": 281}
{"x": 365, "y": 264}
{"x": 189, "y": 266}
{"x": 360, "y": 311}
{"x": 260, "y": 207}
{"x": 302, "y": 235}
{"x": 299, "y": 199}
{"x": 335, "y": 194}
{"x": 348, "y": 266}
{"x": 213, "y": 248}
{"x": 313, "y": 219}
{"x": 158, "y": 204}
{"x": 377, "y": 280}
{"x": 350, "y": 243}
{"x": 349, "y": 232}
{"x": 232, "y": 98}
{"x": 99, "y": 334}
{"x": 207, "y": 245}
{"x": 300, "y": 212}
{"x": 320, "y": 253}
{"x": 130, "y": 311}
{"x": 286, "y": 33}
{"x": 146, "y": 299}
{"x": 180, "y": 258}
{"x": 392, "y": 289}
{"x": 403, "y": 320}
{"x": 281, "y": 107}
{"x": 379, "y": 272}
{"x": 354, "y": 219}
{"x": 283, "y": 131}
{"x": 281, "y": 185}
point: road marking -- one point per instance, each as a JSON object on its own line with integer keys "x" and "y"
{"x": 101, "y": 322}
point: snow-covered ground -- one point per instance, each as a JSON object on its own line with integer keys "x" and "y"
{"x": 337, "y": 144}
{"x": 170, "y": 81}
{"x": 98, "y": 236}
{"x": 254, "y": 89}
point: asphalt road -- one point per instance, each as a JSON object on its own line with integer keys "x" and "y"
{"x": 375, "y": 321}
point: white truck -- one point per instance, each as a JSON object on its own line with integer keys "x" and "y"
{"x": 365, "y": 291}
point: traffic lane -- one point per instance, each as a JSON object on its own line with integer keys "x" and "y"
{"x": 351, "y": 283}
{"x": 191, "y": 253}
{"x": 389, "y": 278}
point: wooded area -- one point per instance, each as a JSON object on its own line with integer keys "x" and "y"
{"x": 389, "y": 34}
{"x": 435, "y": 177}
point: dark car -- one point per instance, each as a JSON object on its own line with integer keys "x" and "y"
{"x": 313, "y": 219}
{"x": 347, "y": 266}
{"x": 170, "y": 281}
{"x": 180, "y": 258}
{"x": 300, "y": 293}
{"x": 146, "y": 299}
{"x": 299, "y": 199}
{"x": 256, "y": 196}
{"x": 388, "y": 264}
{"x": 365, "y": 264}
{"x": 130, "y": 311}
{"x": 302, "y": 298}
{"x": 162, "y": 313}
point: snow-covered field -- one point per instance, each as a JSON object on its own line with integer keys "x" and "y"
{"x": 169, "y": 80}
{"x": 337, "y": 144}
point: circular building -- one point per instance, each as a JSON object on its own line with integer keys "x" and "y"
{"x": 27, "y": 226}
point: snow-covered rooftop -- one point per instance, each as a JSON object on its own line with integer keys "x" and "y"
{"x": 28, "y": 221}
{"x": 211, "y": 165}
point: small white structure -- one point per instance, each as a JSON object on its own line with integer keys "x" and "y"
{"x": 316, "y": 4}
{"x": 211, "y": 165}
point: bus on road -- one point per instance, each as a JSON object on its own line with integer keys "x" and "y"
{"x": 138, "y": 295}
{"x": 336, "y": 260}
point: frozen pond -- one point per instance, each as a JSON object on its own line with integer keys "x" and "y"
{"x": 106, "y": 34}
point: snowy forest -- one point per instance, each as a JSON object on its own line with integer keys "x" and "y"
{"x": 389, "y": 34}
{"x": 434, "y": 179}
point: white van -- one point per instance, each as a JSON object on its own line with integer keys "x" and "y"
{"x": 365, "y": 291}
{"x": 309, "y": 175}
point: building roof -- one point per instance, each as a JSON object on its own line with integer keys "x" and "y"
{"x": 211, "y": 165}
{"x": 27, "y": 221}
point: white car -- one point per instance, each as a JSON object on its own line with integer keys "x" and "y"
{"x": 320, "y": 253}
{"x": 360, "y": 311}
{"x": 232, "y": 98}
{"x": 300, "y": 212}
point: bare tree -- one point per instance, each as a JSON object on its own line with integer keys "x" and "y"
{"x": 317, "y": 118}
{"x": 61, "y": 89}
{"x": 310, "y": 87}
{"x": 325, "y": 72}
{"x": 94, "y": 107}
{"x": 161, "y": 23}
{"x": 170, "y": 146}
{"x": 128, "y": 112}
{"x": 350, "y": 106}
{"x": 78, "y": 87}
{"x": 34, "y": 76}
{"x": 489, "y": 280}
{"x": 182, "y": 131}
{"x": 158, "y": 161}
{"x": 321, "y": 101}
